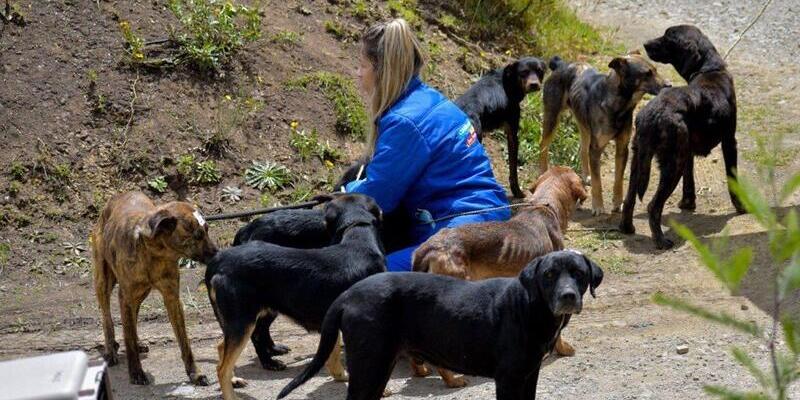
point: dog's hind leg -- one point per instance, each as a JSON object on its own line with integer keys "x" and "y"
{"x": 670, "y": 176}
{"x": 229, "y": 349}
{"x": 529, "y": 390}
{"x": 104, "y": 282}
{"x": 334, "y": 363}
{"x": 586, "y": 142}
{"x": 597, "y": 185}
{"x": 129, "y": 305}
{"x": 170, "y": 291}
{"x": 265, "y": 346}
{"x": 450, "y": 379}
{"x": 688, "y": 198}
{"x": 730, "y": 157}
{"x": 370, "y": 370}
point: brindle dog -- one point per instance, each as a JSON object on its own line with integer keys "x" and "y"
{"x": 602, "y": 106}
{"x": 137, "y": 244}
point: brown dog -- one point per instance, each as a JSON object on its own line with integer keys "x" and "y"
{"x": 502, "y": 249}
{"x": 138, "y": 244}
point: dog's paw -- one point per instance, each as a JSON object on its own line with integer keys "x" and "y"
{"x": 598, "y": 210}
{"x": 564, "y": 349}
{"x": 663, "y": 243}
{"x": 420, "y": 370}
{"x": 278, "y": 349}
{"x": 456, "y": 382}
{"x": 139, "y": 378}
{"x": 617, "y": 208}
{"x": 273, "y": 365}
{"x": 341, "y": 377}
{"x": 143, "y": 349}
{"x": 627, "y": 228}
{"x": 111, "y": 358}
{"x": 199, "y": 379}
{"x": 238, "y": 383}
{"x": 687, "y": 204}
{"x": 386, "y": 393}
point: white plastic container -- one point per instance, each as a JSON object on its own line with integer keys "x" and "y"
{"x": 62, "y": 376}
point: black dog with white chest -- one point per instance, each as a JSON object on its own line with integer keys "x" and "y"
{"x": 500, "y": 328}
{"x": 248, "y": 281}
{"x": 681, "y": 123}
{"x": 493, "y": 103}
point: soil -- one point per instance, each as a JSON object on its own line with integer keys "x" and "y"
{"x": 626, "y": 344}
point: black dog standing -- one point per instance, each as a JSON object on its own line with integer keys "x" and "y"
{"x": 681, "y": 123}
{"x": 493, "y": 103}
{"x": 500, "y": 328}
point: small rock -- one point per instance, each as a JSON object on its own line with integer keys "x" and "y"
{"x": 682, "y": 349}
{"x": 745, "y": 307}
{"x": 180, "y": 391}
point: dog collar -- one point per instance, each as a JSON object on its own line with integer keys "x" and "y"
{"x": 702, "y": 71}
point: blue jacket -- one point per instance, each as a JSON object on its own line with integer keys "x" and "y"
{"x": 427, "y": 157}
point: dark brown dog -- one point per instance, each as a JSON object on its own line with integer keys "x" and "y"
{"x": 681, "y": 123}
{"x": 502, "y": 249}
{"x": 602, "y": 106}
{"x": 137, "y": 244}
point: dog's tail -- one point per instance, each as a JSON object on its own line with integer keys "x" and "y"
{"x": 642, "y": 157}
{"x": 556, "y": 62}
{"x": 329, "y": 334}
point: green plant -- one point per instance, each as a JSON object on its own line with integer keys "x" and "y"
{"x": 5, "y": 253}
{"x": 211, "y": 31}
{"x": 340, "y": 31}
{"x": 406, "y": 9}
{"x": 301, "y": 192}
{"x": 185, "y": 165}
{"x": 360, "y": 9}
{"x": 14, "y": 188}
{"x": 74, "y": 248}
{"x": 730, "y": 263}
{"x": 62, "y": 173}
{"x": 231, "y": 194}
{"x": 206, "y": 172}
{"x": 305, "y": 143}
{"x": 286, "y": 39}
{"x": 157, "y": 184}
{"x": 351, "y": 117}
{"x": 18, "y": 171}
{"x": 134, "y": 44}
{"x": 267, "y": 175}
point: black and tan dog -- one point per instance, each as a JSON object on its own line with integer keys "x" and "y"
{"x": 681, "y": 123}
{"x": 493, "y": 103}
{"x": 499, "y": 328}
{"x": 137, "y": 244}
{"x": 249, "y": 280}
{"x": 602, "y": 106}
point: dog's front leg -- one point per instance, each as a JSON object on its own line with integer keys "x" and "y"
{"x": 730, "y": 156}
{"x": 104, "y": 281}
{"x": 128, "y": 305}
{"x": 170, "y": 291}
{"x": 688, "y": 199}
{"x": 586, "y": 141}
{"x": 621, "y": 160}
{"x": 530, "y": 384}
{"x": 334, "y": 363}
{"x": 512, "y": 135}
{"x": 597, "y": 186}
{"x": 510, "y": 387}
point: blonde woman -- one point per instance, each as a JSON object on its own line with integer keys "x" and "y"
{"x": 425, "y": 153}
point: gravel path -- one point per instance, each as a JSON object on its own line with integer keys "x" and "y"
{"x": 772, "y": 40}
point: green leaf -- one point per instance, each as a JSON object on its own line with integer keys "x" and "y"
{"x": 730, "y": 272}
{"x": 747, "y": 362}
{"x": 792, "y": 335}
{"x": 730, "y": 394}
{"x": 789, "y": 280}
{"x": 753, "y": 201}
{"x": 790, "y": 186}
{"x": 719, "y": 317}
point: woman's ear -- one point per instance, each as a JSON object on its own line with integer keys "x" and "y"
{"x": 595, "y": 275}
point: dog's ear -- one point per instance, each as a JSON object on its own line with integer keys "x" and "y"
{"x": 528, "y": 278}
{"x": 376, "y": 210}
{"x": 595, "y": 275}
{"x": 332, "y": 213}
{"x": 578, "y": 190}
{"x": 510, "y": 70}
{"x": 322, "y": 198}
{"x": 160, "y": 223}
{"x": 619, "y": 64}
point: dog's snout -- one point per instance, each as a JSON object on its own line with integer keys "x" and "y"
{"x": 534, "y": 85}
{"x": 569, "y": 297}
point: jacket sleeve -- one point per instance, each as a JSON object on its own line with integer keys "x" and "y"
{"x": 401, "y": 154}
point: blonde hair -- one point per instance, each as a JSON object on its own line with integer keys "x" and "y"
{"x": 396, "y": 56}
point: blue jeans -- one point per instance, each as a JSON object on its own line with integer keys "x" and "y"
{"x": 400, "y": 260}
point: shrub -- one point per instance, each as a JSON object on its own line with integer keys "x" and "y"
{"x": 351, "y": 117}
{"x": 286, "y": 39}
{"x": 267, "y": 175}
{"x": 18, "y": 170}
{"x": 157, "y": 184}
{"x": 206, "y": 172}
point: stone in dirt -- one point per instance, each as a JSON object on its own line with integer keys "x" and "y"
{"x": 682, "y": 349}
